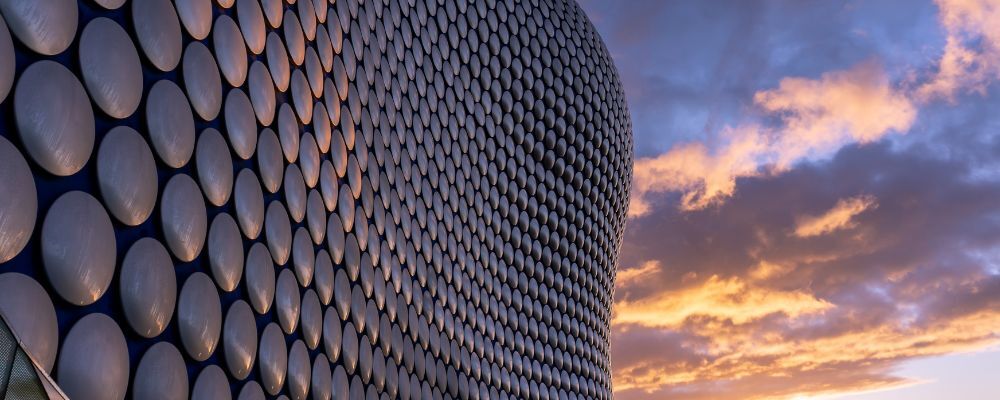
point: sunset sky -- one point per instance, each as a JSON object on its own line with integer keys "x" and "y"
{"x": 816, "y": 199}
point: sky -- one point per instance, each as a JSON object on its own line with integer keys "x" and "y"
{"x": 815, "y": 208}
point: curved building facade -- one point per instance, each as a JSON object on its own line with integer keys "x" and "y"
{"x": 250, "y": 199}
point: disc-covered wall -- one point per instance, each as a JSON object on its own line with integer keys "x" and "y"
{"x": 310, "y": 198}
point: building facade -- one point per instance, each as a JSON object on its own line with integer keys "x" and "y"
{"x": 317, "y": 199}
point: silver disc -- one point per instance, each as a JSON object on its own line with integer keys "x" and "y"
{"x": 7, "y": 64}
{"x": 126, "y": 172}
{"x": 322, "y": 379}
{"x": 240, "y": 124}
{"x": 262, "y": 96}
{"x": 299, "y": 372}
{"x": 311, "y": 319}
{"x": 94, "y": 361}
{"x": 18, "y": 205}
{"x": 199, "y": 316}
{"x": 251, "y": 19}
{"x": 278, "y": 231}
{"x": 249, "y": 203}
{"x": 239, "y": 339}
{"x": 273, "y": 358}
{"x": 270, "y": 163}
{"x": 148, "y": 287}
{"x": 171, "y": 123}
{"x": 260, "y": 278}
{"x": 54, "y": 118}
{"x": 78, "y": 248}
{"x": 158, "y": 31}
{"x": 211, "y": 384}
{"x": 202, "y": 80}
{"x": 230, "y": 50}
{"x": 46, "y": 27}
{"x": 196, "y": 16}
{"x": 184, "y": 219}
{"x": 161, "y": 374}
{"x": 110, "y": 66}
{"x": 225, "y": 252}
{"x": 215, "y": 167}
{"x": 28, "y": 311}
{"x": 286, "y": 298}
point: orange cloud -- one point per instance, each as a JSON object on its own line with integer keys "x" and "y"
{"x": 732, "y": 300}
{"x": 971, "y": 57}
{"x": 839, "y": 217}
{"x": 817, "y": 117}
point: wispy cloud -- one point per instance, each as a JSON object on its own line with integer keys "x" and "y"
{"x": 839, "y": 217}
{"x": 816, "y": 117}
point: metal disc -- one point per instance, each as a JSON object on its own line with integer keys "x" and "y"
{"x": 311, "y": 319}
{"x": 161, "y": 374}
{"x": 332, "y": 334}
{"x": 286, "y": 298}
{"x": 273, "y": 10}
{"x": 158, "y": 31}
{"x": 7, "y": 64}
{"x": 324, "y": 277}
{"x": 278, "y": 231}
{"x": 341, "y": 386}
{"x": 215, "y": 167}
{"x": 184, "y": 219}
{"x": 277, "y": 61}
{"x": 322, "y": 379}
{"x": 211, "y": 384}
{"x": 202, "y": 80}
{"x": 316, "y": 216}
{"x": 46, "y": 27}
{"x": 53, "y": 114}
{"x": 350, "y": 348}
{"x": 262, "y": 93}
{"x": 19, "y": 205}
{"x": 270, "y": 162}
{"x": 240, "y": 124}
{"x": 301, "y": 96}
{"x": 252, "y": 391}
{"x": 251, "y": 19}
{"x": 303, "y": 258}
{"x": 295, "y": 192}
{"x": 329, "y": 185}
{"x": 273, "y": 358}
{"x": 299, "y": 372}
{"x": 199, "y": 316}
{"x": 28, "y": 311}
{"x": 111, "y": 68}
{"x": 239, "y": 339}
{"x": 78, "y": 248}
{"x": 171, "y": 123}
{"x": 94, "y": 361}
{"x": 148, "y": 287}
{"x": 249, "y": 203}
{"x": 309, "y": 160}
{"x": 294, "y": 38}
{"x": 196, "y": 16}
{"x": 126, "y": 172}
{"x": 225, "y": 252}
{"x": 288, "y": 132}
{"x": 260, "y": 278}
{"x": 230, "y": 50}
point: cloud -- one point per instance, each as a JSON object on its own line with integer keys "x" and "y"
{"x": 971, "y": 58}
{"x": 839, "y": 217}
{"x": 729, "y": 302}
{"x": 816, "y": 117}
